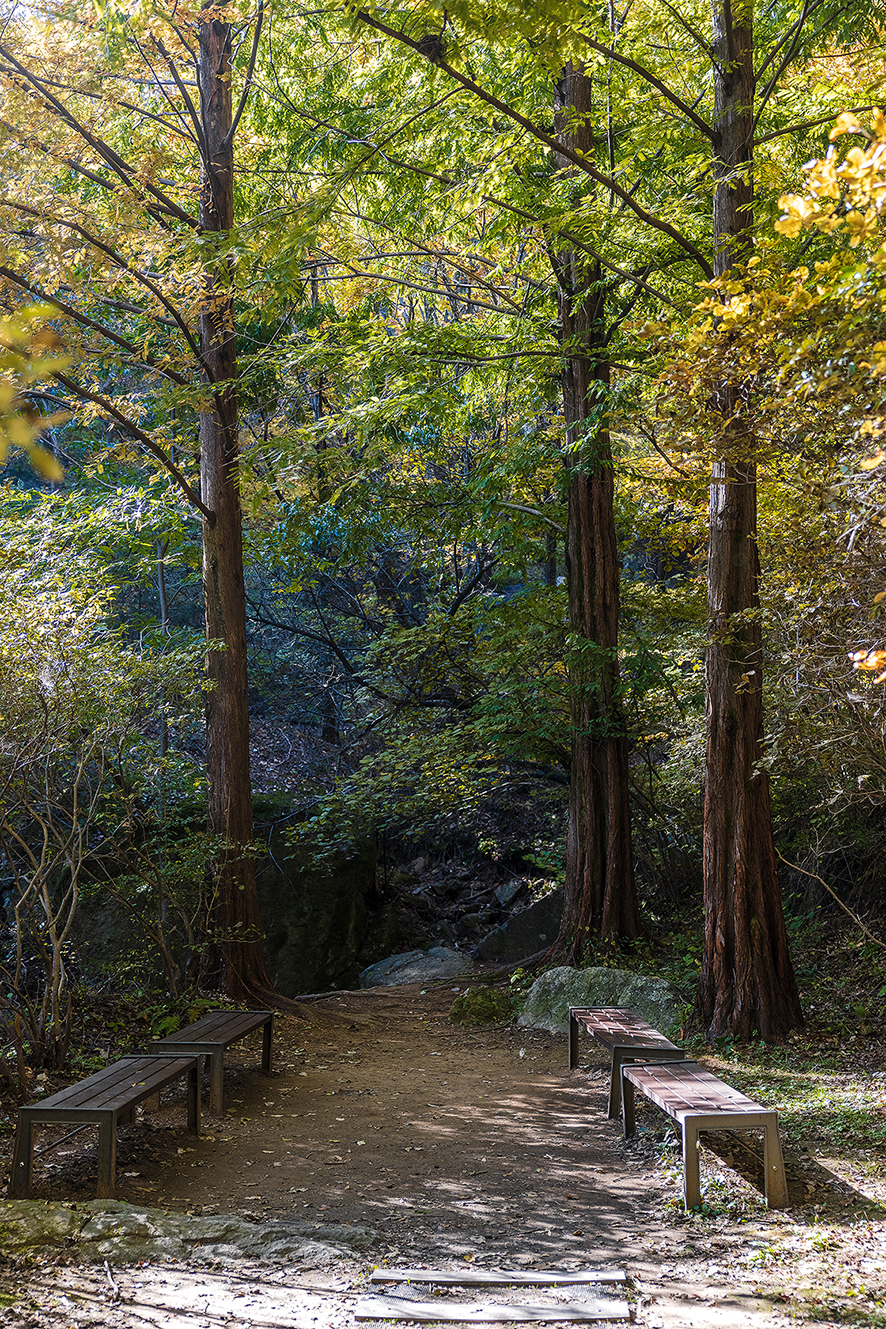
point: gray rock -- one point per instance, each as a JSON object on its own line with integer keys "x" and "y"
{"x": 524, "y": 933}
{"x": 469, "y": 925}
{"x": 508, "y": 891}
{"x": 655, "y": 999}
{"x": 415, "y": 967}
{"x": 112, "y": 1230}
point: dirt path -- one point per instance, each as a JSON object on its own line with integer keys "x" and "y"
{"x": 451, "y": 1145}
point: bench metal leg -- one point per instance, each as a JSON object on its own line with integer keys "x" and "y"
{"x": 573, "y": 1041}
{"x": 107, "y": 1156}
{"x": 22, "y": 1159}
{"x": 627, "y": 1106}
{"x": 615, "y": 1091}
{"x": 775, "y": 1182}
{"x": 216, "y": 1080}
{"x": 194, "y": 1078}
{"x": 691, "y": 1181}
{"x": 267, "y": 1036}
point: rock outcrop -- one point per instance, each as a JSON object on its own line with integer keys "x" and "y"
{"x": 655, "y": 999}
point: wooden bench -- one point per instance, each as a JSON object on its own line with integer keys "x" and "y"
{"x": 700, "y": 1102}
{"x": 104, "y": 1099}
{"x": 211, "y": 1035}
{"x": 624, "y": 1033}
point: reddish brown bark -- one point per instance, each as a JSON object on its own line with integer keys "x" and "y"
{"x": 240, "y": 938}
{"x": 747, "y": 980}
{"x": 600, "y": 897}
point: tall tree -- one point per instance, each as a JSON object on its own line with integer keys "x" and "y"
{"x": 747, "y": 979}
{"x": 227, "y": 707}
{"x": 640, "y": 47}
{"x": 600, "y": 897}
{"x": 130, "y": 220}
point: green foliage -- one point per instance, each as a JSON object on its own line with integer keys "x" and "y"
{"x": 481, "y": 1006}
{"x": 78, "y": 761}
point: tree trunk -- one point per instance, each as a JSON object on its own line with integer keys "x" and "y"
{"x": 600, "y": 898}
{"x": 240, "y": 938}
{"x": 747, "y": 980}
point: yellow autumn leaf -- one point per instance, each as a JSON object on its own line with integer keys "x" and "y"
{"x": 46, "y": 464}
{"x": 845, "y": 123}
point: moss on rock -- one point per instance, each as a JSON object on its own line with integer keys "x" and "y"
{"x": 653, "y": 998}
{"x": 480, "y": 1006}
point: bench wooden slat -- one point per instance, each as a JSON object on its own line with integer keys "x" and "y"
{"x": 102, "y": 1099}
{"x": 211, "y": 1035}
{"x": 688, "y": 1087}
{"x": 221, "y": 1026}
{"x": 699, "y": 1101}
{"x": 623, "y": 1032}
{"x": 104, "y": 1088}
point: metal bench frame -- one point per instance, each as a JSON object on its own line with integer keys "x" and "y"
{"x": 624, "y": 1033}
{"x": 211, "y": 1035}
{"x": 698, "y": 1101}
{"x": 105, "y": 1099}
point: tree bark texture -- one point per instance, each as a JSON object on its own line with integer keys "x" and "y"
{"x": 747, "y": 981}
{"x": 240, "y": 938}
{"x": 600, "y": 897}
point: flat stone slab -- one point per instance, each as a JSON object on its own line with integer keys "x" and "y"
{"x": 431, "y": 1312}
{"x": 498, "y": 1277}
{"x": 416, "y": 967}
{"x": 98, "y": 1230}
{"x": 653, "y": 998}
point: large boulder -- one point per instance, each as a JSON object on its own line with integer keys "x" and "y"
{"x": 525, "y": 933}
{"x": 655, "y": 999}
{"x": 416, "y": 967}
{"x": 314, "y": 915}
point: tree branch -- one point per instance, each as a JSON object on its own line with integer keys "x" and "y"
{"x": 532, "y": 512}
{"x": 87, "y": 322}
{"x": 250, "y": 69}
{"x": 815, "y": 877}
{"x": 650, "y": 78}
{"x": 196, "y": 119}
{"x": 119, "y": 262}
{"x": 560, "y": 149}
{"x": 491, "y": 199}
{"x": 808, "y": 124}
{"x": 108, "y": 155}
{"x": 412, "y": 286}
{"x": 145, "y": 439}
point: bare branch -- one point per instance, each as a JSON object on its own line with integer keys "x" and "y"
{"x": 809, "y": 124}
{"x": 815, "y": 877}
{"x": 250, "y": 69}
